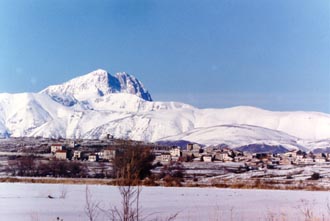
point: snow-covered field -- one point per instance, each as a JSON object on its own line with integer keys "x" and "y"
{"x": 20, "y": 201}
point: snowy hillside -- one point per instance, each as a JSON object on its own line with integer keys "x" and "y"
{"x": 99, "y": 103}
{"x": 96, "y": 84}
{"x": 238, "y": 135}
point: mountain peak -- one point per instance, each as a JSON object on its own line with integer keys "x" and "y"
{"x": 96, "y": 84}
{"x": 97, "y": 73}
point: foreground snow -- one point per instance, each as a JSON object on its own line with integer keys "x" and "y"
{"x": 19, "y": 202}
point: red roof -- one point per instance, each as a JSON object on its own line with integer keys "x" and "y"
{"x": 61, "y": 151}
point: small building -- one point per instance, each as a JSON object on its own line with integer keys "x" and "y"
{"x": 239, "y": 158}
{"x": 209, "y": 149}
{"x": 299, "y": 158}
{"x": 56, "y": 147}
{"x": 93, "y": 158}
{"x": 319, "y": 160}
{"x": 109, "y": 154}
{"x": 166, "y": 157}
{"x": 108, "y": 137}
{"x": 264, "y": 155}
{"x": 72, "y": 143}
{"x": 285, "y": 160}
{"x": 292, "y": 154}
{"x": 327, "y": 156}
{"x": 61, "y": 154}
{"x": 275, "y": 161}
{"x": 163, "y": 158}
{"x": 307, "y": 160}
{"x": 248, "y": 155}
{"x": 193, "y": 147}
{"x": 222, "y": 156}
{"x": 175, "y": 152}
{"x": 207, "y": 158}
{"x": 77, "y": 155}
{"x": 187, "y": 155}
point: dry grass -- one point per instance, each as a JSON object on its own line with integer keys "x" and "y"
{"x": 56, "y": 180}
{"x": 259, "y": 183}
{"x": 256, "y": 183}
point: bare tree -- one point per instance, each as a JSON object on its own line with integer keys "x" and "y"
{"x": 129, "y": 209}
{"x": 130, "y": 166}
{"x": 91, "y": 207}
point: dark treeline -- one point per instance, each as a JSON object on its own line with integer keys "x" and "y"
{"x": 33, "y": 166}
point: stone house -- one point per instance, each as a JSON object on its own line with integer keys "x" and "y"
{"x": 222, "y": 156}
{"x": 61, "y": 154}
{"x": 194, "y": 147}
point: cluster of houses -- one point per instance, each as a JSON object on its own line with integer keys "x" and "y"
{"x": 71, "y": 152}
{"x": 195, "y": 152}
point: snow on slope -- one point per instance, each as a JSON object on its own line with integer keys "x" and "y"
{"x": 238, "y": 135}
{"x": 306, "y": 125}
{"x": 27, "y": 113}
{"x": 96, "y": 84}
{"x": 98, "y": 103}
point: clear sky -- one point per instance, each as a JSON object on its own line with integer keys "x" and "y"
{"x": 208, "y": 53}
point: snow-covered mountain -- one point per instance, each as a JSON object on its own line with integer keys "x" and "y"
{"x": 99, "y": 103}
{"x": 96, "y": 84}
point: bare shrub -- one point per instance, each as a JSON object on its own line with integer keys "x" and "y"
{"x": 130, "y": 208}
{"x": 273, "y": 216}
{"x": 91, "y": 207}
{"x": 63, "y": 191}
{"x": 306, "y": 208}
{"x": 34, "y": 216}
{"x": 315, "y": 176}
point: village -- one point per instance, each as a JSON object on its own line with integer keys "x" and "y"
{"x": 195, "y": 163}
{"x": 195, "y": 153}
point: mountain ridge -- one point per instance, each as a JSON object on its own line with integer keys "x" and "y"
{"x": 90, "y": 107}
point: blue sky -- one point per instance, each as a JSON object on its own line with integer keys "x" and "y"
{"x": 212, "y": 53}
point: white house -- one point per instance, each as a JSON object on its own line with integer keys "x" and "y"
{"x": 175, "y": 152}
{"x": 164, "y": 158}
{"x": 93, "y": 158}
{"x": 77, "y": 154}
{"x": 308, "y": 160}
{"x": 56, "y": 147}
{"x": 319, "y": 160}
{"x": 207, "y": 158}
